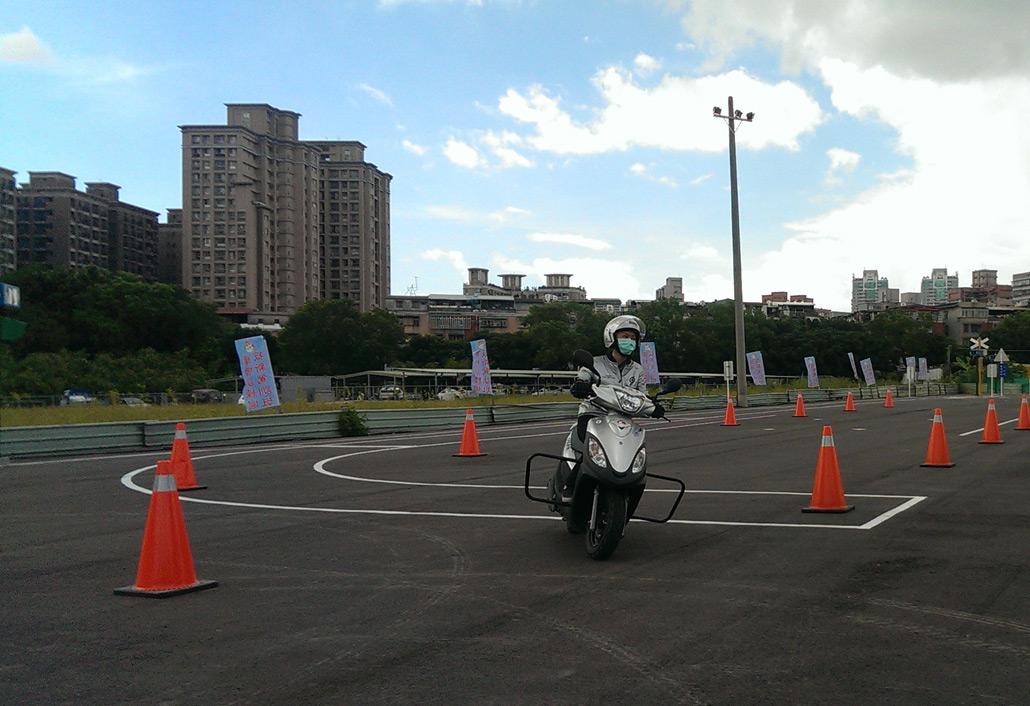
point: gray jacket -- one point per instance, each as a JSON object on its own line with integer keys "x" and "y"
{"x": 630, "y": 373}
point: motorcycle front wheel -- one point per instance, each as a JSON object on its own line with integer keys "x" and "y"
{"x": 611, "y": 521}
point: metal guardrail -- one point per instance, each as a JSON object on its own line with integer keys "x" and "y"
{"x": 220, "y": 431}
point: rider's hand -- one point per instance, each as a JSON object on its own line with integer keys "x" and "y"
{"x": 581, "y": 389}
{"x": 659, "y": 411}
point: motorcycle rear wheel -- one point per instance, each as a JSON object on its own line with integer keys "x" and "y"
{"x": 611, "y": 521}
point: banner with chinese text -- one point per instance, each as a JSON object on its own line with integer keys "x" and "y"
{"x": 258, "y": 379}
{"x": 756, "y": 366}
{"x": 867, "y": 371}
{"x": 813, "y": 373}
{"x": 481, "y": 382}
{"x": 649, "y": 359}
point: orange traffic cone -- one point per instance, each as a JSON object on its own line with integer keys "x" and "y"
{"x": 992, "y": 432}
{"x": 849, "y": 406}
{"x": 937, "y": 450}
{"x": 182, "y": 462}
{"x": 799, "y": 408}
{"x": 1023, "y": 423}
{"x": 165, "y": 562}
{"x": 469, "y": 438}
{"x": 828, "y": 491}
{"x": 730, "y": 419}
{"x": 889, "y": 402}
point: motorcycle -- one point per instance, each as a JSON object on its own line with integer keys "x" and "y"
{"x": 606, "y": 472}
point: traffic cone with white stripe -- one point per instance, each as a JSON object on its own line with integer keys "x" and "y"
{"x": 1023, "y": 423}
{"x": 992, "y": 432}
{"x": 469, "y": 437}
{"x": 889, "y": 402}
{"x": 165, "y": 561}
{"x": 799, "y": 408}
{"x": 828, "y": 490}
{"x": 937, "y": 450}
{"x": 730, "y": 420}
{"x": 182, "y": 462}
{"x": 849, "y": 405}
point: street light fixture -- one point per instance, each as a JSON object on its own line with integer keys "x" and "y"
{"x": 732, "y": 117}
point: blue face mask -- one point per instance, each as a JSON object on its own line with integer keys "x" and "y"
{"x": 627, "y": 345}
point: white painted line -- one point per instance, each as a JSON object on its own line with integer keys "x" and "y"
{"x": 977, "y": 431}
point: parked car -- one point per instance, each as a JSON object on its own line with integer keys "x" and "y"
{"x": 204, "y": 396}
{"x": 391, "y": 392}
{"x": 453, "y": 393}
{"x": 133, "y": 402}
{"x": 77, "y": 397}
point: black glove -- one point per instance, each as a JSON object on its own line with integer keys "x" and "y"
{"x": 659, "y": 411}
{"x": 581, "y": 389}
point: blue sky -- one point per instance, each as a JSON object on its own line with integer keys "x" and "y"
{"x": 575, "y": 137}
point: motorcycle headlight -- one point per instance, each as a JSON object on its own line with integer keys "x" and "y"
{"x": 596, "y": 453}
{"x": 629, "y": 403}
{"x": 638, "y": 461}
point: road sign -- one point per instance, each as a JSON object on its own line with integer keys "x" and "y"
{"x": 979, "y": 343}
{"x": 992, "y": 370}
{"x": 1001, "y": 356}
{"x": 727, "y": 369}
{"x": 1003, "y": 370}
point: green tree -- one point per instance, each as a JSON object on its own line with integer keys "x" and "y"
{"x": 331, "y": 337}
{"x": 559, "y": 328}
{"x": 1013, "y": 334}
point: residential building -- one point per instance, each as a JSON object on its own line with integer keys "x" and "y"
{"x": 169, "y": 248}
{"x": 1021, "y": 289}
{"x": 870, "y": 292}
{"x": 354, "y": 225}
{"x": 985, "y": 278}
{"x": 673, "y": 289}
{"x": 60, "y": 226}
{"x": 994, "y": 294}
{"x": 8, "y": 221}
{"x": 780, "y": 304}
{"x": 271, "y": 221}
{"x": 934, "y": 290}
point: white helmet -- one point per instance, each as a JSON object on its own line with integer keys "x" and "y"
{"x": 623, "y": 323}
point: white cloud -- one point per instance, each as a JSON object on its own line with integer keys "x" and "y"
{"x": 501, "y": 146}
{"x": 507, "y": 214}
{"x": 675, "y": 114}
{"x": 842, "y": 161}
{"x": 455, "y": 257}
{"x": 644, "y": 171}
{"x": 700, "y": 252}
{"x": 23, "y": 47}
{"x": 413, "y": 148}
{"x": 376, "y": 93}
{"x": 700, "y": 179}
{"x": 463, "y": 154}
{"x": 579, "y": 241}
{"x": 950, "y": 40}
{"x": 646, "y": 64}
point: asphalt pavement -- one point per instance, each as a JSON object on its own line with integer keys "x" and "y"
{"x": 385, "y": 570}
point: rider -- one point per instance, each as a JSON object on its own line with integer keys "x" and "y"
{"x": 622, "y": 337}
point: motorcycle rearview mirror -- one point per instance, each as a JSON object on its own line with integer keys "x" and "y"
{"x": 583, "y": 359}
{"x": 671, "y": 385}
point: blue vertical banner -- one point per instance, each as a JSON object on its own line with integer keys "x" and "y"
{"x": 854, "y": 370}
{"x": 813, "y": 373}
{"x": 867, "y": 371}
{"x": 756, "y": 366}
{"x": 258, "y": 379}
{"x": 924, "y": 373}
{"x": 481, "y": 368}
{"x": 649, "y": 359}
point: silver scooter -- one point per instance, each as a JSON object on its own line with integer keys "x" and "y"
{"x": 607, "y": 470}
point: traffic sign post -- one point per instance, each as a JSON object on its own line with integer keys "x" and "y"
{"x": 727, "y": 374}
{"x": 979, "y": 350}
{"x": 1002, "y": 359}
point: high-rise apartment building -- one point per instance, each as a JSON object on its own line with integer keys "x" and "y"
{"x": 1021, "y": 289}
{"x": 252, "y": 216}
{"x": 354, "y": 225}
{"x": 673, "y": 289}
{"x": 985, "y": 278}
{"x": 934, "y": 290}
{"x": 870, "y": 292}
{"x": 8, "y": 221}
{"x": 169, "y": 248}
{"x": 60, "y": 226}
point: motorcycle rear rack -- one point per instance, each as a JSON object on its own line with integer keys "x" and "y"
{"x": 559, "y": 503}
